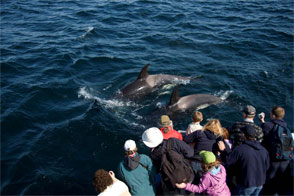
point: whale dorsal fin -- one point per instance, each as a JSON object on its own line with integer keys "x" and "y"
{"x": 144, "y": 72}
{"x": 174, "y": 98}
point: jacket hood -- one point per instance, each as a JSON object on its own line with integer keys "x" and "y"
{"x": 215, "y": 170}
{"x": 132, "y": 162}
{"x": 210, "y": 135}
{"x": 217, "y": 173}
{"x": 279, "y": 122}
{"x": 254, "y": 144}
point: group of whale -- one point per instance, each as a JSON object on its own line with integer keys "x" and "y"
{"x": 146, "y": 83}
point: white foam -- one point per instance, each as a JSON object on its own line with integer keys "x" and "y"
{"x": 107, "y": 87}
{"x": 133, "y": 124}
{"x": 111, "y": 103}
{"x": 159, "y": 105}
{"x": 181, "y": 81}
{"x": 223, "y": 95}
{"x": 88, "y": 31}
{"x": 83, "y": 93}
{"x": 120, "y": 108}
{"x": 168, "y": 86}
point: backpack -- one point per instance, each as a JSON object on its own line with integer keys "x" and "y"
{"x": 174, "y": 167}
{"x": 282, "y": 143}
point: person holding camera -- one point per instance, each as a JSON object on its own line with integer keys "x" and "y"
{"x": 280, "y": 174}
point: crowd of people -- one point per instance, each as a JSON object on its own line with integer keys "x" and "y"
{"x": 245, "y": 159}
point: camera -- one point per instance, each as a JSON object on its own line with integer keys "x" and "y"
{"x": 260, "y": 115}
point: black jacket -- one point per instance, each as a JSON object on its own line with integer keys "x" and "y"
{"x": 177, "y": 145}
{"x": 204, "y": 140}
{"x": 252, "y": 161}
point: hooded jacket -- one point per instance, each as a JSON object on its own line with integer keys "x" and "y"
{"x": 268, "y": 126}
{"x": 213, "y": 183}
{"x": 139, "y": 179}
{"x": 252, "y": 161}
{"x": 204, "y": 140}
{"x": 177, "y": 145}
{"x": 268, "y": 141}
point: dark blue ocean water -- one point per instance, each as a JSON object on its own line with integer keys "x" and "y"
{"x": 58, "y": 57}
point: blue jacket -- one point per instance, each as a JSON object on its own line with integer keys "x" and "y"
{"x": 251, "y": 161}
{"x": 268, "y": 126}
{"x": 139, "y": 179}
{"x": 267, "y": 129}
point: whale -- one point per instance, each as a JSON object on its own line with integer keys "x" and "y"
{"x": 189, "y": 102}
{"x": 147, "y": 83}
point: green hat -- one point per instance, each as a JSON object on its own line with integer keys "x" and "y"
{"x": 207, "y": 157}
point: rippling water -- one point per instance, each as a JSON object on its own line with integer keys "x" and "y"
{"x": 64, "y": 62}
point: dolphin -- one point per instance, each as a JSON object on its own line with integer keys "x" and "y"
{"x": 146, "y": 83}
{"x": 181, "y": 104}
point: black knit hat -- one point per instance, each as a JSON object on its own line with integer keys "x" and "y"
{"x": 249, "y": 131}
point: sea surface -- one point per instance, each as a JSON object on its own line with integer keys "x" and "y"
{"x": 63, "y": 64}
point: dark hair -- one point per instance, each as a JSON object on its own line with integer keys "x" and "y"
{"x": 130, "y": 152}
{"x": 279, "y": 112}
{"x": 207, "y": 167}
{"x": 101, "y": 180}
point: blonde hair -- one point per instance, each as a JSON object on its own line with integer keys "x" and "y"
{"x": 197, "y": 116}
{"x": 214, "y": 126}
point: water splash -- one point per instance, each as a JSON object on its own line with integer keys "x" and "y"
{"x": 121, "y": 109}
{"x": 160, "y": 105}
{"x": 166, "y": 89}
{"x": 107, "y": 87}
{"x": 85, "y": 93}
{"x": 88, "y": 31}
{"x": 223, "y": 95}
{"x": 181, "y": 81}
{"x": 168, "y": 86}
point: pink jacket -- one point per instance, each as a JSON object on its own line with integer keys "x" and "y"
{"x": 214, "y": 185}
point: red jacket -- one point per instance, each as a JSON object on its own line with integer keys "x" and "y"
{"x": 170, "y": 133}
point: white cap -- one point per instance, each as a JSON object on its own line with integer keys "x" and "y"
{"x": 152, "y": 137}
{"x": 130, "y": 145}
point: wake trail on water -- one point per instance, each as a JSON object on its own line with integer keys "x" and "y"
{"x": 112, "y": 103}
{"x": 122, "y": 109}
